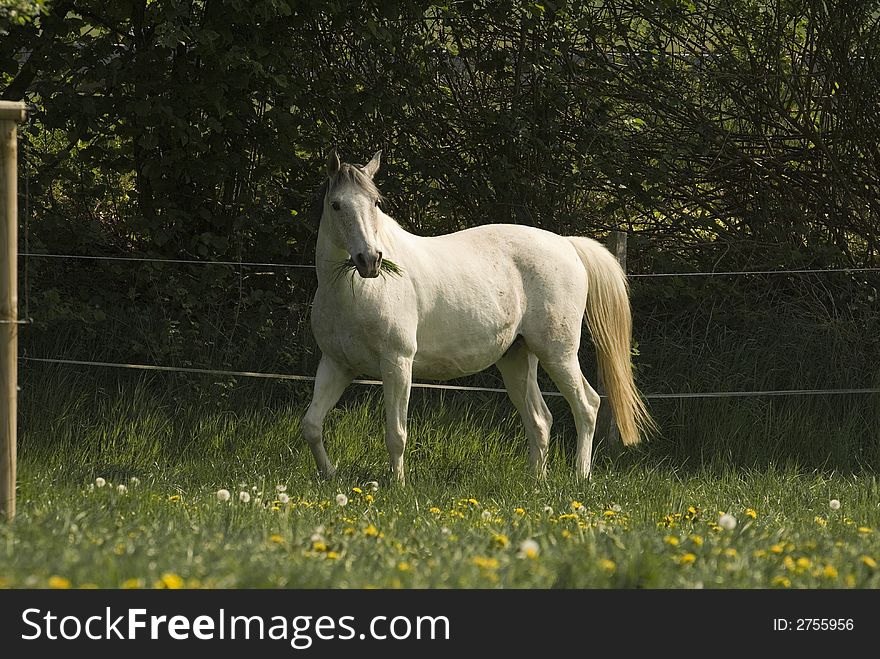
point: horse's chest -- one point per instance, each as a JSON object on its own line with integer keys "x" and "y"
{"x": 354, "y": 332}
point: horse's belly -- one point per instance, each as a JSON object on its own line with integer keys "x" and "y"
{"x": 444, "y": 358}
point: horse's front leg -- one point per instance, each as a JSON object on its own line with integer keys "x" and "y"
{"x": 330, "y": 381}
{"x": 396, "y": 383}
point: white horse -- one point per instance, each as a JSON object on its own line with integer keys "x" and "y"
{"x": 508, "y": 295}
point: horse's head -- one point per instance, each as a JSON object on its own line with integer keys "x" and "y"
{"x": 351, "y": 212}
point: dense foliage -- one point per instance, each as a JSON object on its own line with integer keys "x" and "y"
{"x": 721, "y": 135}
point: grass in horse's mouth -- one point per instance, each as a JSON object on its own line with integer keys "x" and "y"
{"x": 386, "y": 267}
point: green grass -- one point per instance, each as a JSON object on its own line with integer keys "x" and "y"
{"x": 648, "y": 518}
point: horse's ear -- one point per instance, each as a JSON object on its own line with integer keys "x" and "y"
{"x": 332, "y": 163}
{"x": 372, "y": 167}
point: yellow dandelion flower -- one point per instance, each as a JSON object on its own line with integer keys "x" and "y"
{"x": 607, "y": 565}
{"x": 59, "y": 583}
{"x": 788, "y": 562}
{"x": 371, "y": 531}
{"x": 870, "y": 562}
{"x": 131, "y": 584}
{"x": 865, "y": 529}
{"x": 687, "y": 559}
{"x": 473, "y": 502}
{"x": 730, "y": 552}
{"x": 697, "y": 540}
{"x": 332, "y": 555}
{"x": 671, "y": 540}
{"x": 803, "y": 563}
{"x": 170, "y": 581}
{"x": 576, "y": 505}
{"x": 751, "y": 512}
{"x": 357, "y": 490}
{"x": 821, "y": 521}
{"x": 318, "y": 545}
{"x": 369, "y": 498}
{"x": 276, "y": 538}
{"x": 610, "y": 513}
{"x": 519, "y": 511}
{"x": 566, "y": 533}
{"x": 174, "y": 497}
{"x": 403, "y": 566}
{"x": 759, "y": 553}
{"x": 485, "y": 563}
{"x": 777, "y": 548}
{"x": 500, "y": 540}
{"x": 434, "y": 509}
{"x": 785, "y": 582}
{"x": 568, "y": 516}
{"x": 669, "y": 521}
{"x": 830, "y": 572}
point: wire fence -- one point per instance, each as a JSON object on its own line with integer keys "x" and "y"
{"x": 311, "y": 266}
{"x": 452, "y": 387}
{"x": 425, "y": 385}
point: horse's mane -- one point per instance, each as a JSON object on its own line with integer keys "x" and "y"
{"x": 347, "y": 174}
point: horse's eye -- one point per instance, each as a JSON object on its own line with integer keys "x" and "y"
{"x": 334, "y": 205}
{"x": 377, "y": 203}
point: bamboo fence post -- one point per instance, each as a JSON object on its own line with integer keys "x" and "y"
{"x": 11, "y": 114}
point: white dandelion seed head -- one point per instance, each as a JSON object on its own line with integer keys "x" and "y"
{"x": 486, "y": 515}
{"x": 616, "y": 508}
{"x": 548, "y": 510}
{"x": 834, "y": 504}
{"x": 100, "y": 482}
{"x": 727, "y": 522}
{"x": 445, "y": 530}
{"x": 528, "y": 548}
{"x": 280, "y": 488}
{"x": 135, "y": 481}
{"x": 223, "y": 496}
{"x": 317, "y": 537}
{"x": 373, "y": 485}
{"x": 283, "y": 498}
{"x": 341, "y": 499}
{"x": 254, "y": 488}
{"x": 258, "y": 501}
{"x": 244, "y": 497}
{"x": 121, "y": 489}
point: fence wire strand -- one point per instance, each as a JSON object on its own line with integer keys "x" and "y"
{"x": 310, "y": 266}
{"x": 451, "y": 387}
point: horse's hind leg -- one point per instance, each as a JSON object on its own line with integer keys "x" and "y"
{"x": 519, "y": 368}
{"x": 584, "y": 403}
{"x": 330, "y": 381}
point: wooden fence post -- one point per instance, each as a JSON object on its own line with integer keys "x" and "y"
{"x": 11, "y": 114}
{"x": 606, "y": 428}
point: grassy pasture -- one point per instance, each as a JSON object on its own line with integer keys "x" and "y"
{"x": 470, "y": 516}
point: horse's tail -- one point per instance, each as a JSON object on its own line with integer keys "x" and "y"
{"x": 610, "y": 322}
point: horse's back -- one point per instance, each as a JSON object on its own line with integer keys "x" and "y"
{"x": 481, "y": 288}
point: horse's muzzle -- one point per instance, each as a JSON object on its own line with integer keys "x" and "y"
{"x": 368, "y": 265}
